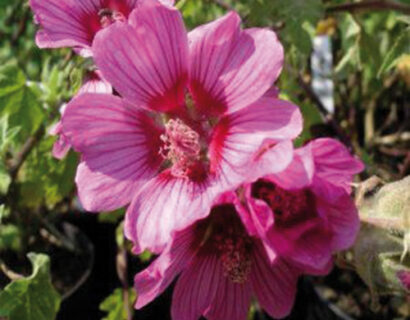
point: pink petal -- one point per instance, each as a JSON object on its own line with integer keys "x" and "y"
{"x": 338, "y": 208}
{"x": 334, "y": 163}
{"x": 232, "y": 68}
{"x": 274, "y": 284}
{"x": 159, "y": 275}
{"x": 241, "y": 139}
{"x": 307, "y": 244}
{"x": 299, "y": 174}
{"x": 196, "y": 288}
{"x": 146, "y": 60}
{"x": 166, "y": 204}
{"x": 95, "y": 83}
{"x": 119, "y": 146}
{"x": 61, "y": 147}
{"x": 65, "y": 23}
{"x": 231, "y": 301}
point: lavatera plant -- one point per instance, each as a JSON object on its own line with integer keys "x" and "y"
{"x": 382, "y": 249}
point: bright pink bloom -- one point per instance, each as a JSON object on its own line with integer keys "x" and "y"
{"x": 221, "y": 269}
{"x": 74, "y": 23}
{"x": 190, "y": 122}
{"x": 305, "y": 213}
{"x": 404, "y": 277}
{"x": 94, "y": 83}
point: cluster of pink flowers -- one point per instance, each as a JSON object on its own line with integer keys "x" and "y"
{"x": 187, "y": 130}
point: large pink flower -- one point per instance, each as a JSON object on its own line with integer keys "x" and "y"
{"x": 74, "y": 23}
{"x": 93, "y": 83}
{"x": 305, "y": 213}
{"x": 188, "y": 125}
{"x": 221, "y": 269}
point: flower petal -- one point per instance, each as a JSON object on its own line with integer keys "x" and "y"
{"x": 166, "y": 204}
{"x": 299, "y": 174}
{"x": 119, "y": 146}
{"x": 158, "y": 276}
{"x": 307, "y": 244}
{"x": 240, "y": 140}
{"x": 336, "y": 205}
{"x": 231, "y": 301}
{"x": 196, "y": 288}
{"x": 231, "y": 68}
{"x": 334, "y": 163}
{"x": 95, "y": 83}
{"x": 146, "y": 60}
{"x": 66, "y": 23}
{"x": 274, "y": 284}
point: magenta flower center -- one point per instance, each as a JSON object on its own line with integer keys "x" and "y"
{"x": 288, "y": 206}
{"x": 223, "y": 234}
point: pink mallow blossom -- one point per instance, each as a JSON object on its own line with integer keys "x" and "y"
{"x": 188, "y": 125}
{"x": 221, "y": 269}
{"x": 74, "y": 23}
{"x": 93, "y": 83}
{"x": 305, "y": 213}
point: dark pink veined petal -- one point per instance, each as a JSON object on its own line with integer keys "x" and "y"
{"x": 159, "y": 275}
{"x": 336, "y": 205}
{"x": 299, "y": 174}
{"x": 166, "y": 204}
{"x": 146, "y": 60}
{"x": 334, "y": 163}
{"x": 272, "y": 92}
{"x": 196, "y": 288}
{"x": 273, "y": 284}
{"x": 231, "y": 301}
{"x": 66, "y": 23}
{"x": 119, "y": 146}
{"x": 231, "y": 68}
{"x": 306, "y": 244}
{"x": 257, "y": 217}
{"x": 241, "y": 139}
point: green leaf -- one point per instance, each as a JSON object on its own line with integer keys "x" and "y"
{"x": 38, "y": 188}
{"x": 5, "y": 179}
{"x": 114, "y": 305}
{"x": 10, "y": 237}
{"x": 31, "y": 298}
{"x": 6, "y": 135}
{"x": 19, "y": 101}
{"x": 400, "y": 48}
{"x": 112, "y": 216}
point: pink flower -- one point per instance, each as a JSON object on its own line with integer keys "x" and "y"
{"x": 404, "y": 277}
{"x": 190, "y": 122}
{"x": 93, "y": 83}
{"x": 305, "y": 213}
{"x": 74, "y": 23}
{"x": 221, "y": 269}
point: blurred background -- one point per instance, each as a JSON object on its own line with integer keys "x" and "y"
{"x": 347, "y": 67}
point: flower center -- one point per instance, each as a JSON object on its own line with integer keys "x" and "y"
{"x": 223, "y": 233}
{"x": 288, "y": 206}
{"x": 109, "y": 16}
{"x": 235, "y": 257}
{"x": 181, "y": 147}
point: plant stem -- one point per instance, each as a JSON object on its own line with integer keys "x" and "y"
{"x": 377, "y": 5}
{"x": 24, "y": 152}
